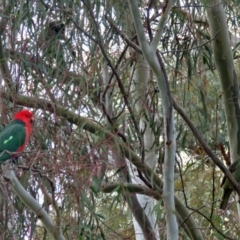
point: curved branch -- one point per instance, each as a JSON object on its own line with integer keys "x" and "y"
{"x": 31, "y": 203}
{"x": 161, "y": 23}
{"x": 184, "y": 217}
{"x": 130, "y": 188}
{"x": 227, "y": 73}
{"x": 96, "y": 129}
{"x": 206, "y": 148}
{"x": 154, "y": 61}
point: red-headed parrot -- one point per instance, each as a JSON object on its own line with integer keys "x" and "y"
{"x": 15, "y": 136}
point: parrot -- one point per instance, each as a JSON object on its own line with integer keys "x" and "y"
{"x": 15, "y": 136}
{"x": 227, "y": 187}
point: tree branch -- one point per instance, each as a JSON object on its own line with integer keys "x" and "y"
{"x": 5, "y": 70}
{"x": 206, "y": 148}
{"x": 96, "y": 129}
{"x": 161, "y": 23}
{"x": 156, "y": 65}
{"x": 31, "y": 202}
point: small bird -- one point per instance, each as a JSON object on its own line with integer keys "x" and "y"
{"x": 15, "y": 136}
{"x": 227, "y": 187}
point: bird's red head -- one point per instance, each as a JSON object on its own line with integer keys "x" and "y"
{"x": 24, "y": 115}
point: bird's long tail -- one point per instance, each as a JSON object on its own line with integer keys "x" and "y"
{"x": 225, "y": 198}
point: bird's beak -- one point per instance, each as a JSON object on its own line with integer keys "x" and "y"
{"x": 32, "y": 120}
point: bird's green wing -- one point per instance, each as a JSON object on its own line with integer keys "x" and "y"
{"x": 231, "y": 169}
{"x": 11, "y": 138}
{"x": 233, "y": 166}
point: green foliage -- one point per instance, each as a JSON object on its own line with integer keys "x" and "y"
{"x": 66, "y": 165}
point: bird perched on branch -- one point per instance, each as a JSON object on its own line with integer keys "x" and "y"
{"x": 51, "y": 34}
{"x": 15, "y": 136}
{"x": 227, "y": 187}
{"x": 57, "y": 51}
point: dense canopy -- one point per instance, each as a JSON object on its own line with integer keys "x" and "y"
{"x": 133, "y": 101}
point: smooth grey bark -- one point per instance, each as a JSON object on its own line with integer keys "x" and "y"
{"x": 227, "y": 75}
{"x": 31, "y": 203}
{"x": 139, "y": 92}
{"x": 164, "y": 17}
{"x": 169, "y": 128}
{"x": 142, "y": 219}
